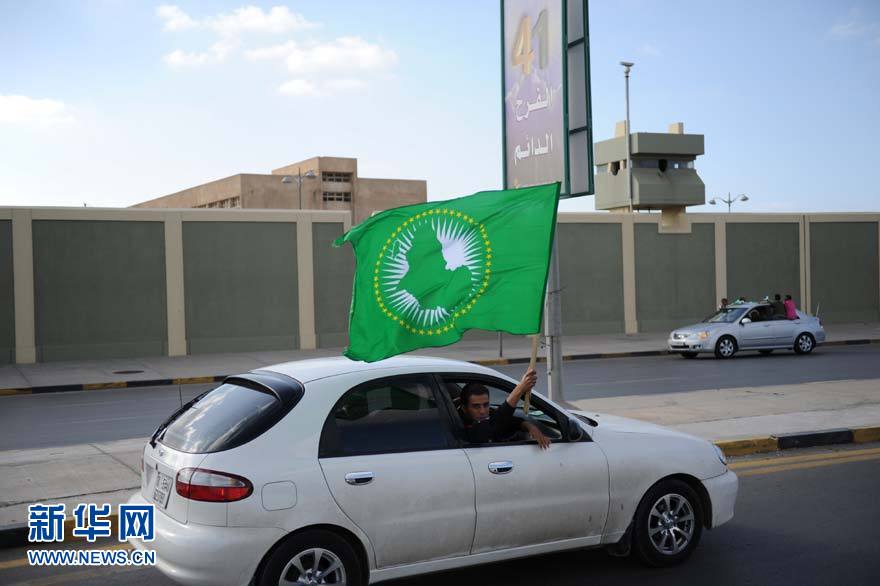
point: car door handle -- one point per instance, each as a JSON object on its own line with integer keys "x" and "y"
{"x": 502, "y": 467}
{"x": 358, "y": 478}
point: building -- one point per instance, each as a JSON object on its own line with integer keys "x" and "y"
{"x": 319, "y": 183}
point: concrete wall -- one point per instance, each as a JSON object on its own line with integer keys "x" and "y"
{"x": 674, "y": 276}
{"x": 85, "y": 283}
{"x": 7, "y": 295}
{"x": 334, "y": 274}
{"x": 763, "y": 259}
{"x": 844, "y": 271}
{"x": 241, "y": 288}
{"x": 88, "y": 300}
{"x": 591, "y": 274}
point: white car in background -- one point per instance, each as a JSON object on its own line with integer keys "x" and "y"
{"x": 330, "y": 471}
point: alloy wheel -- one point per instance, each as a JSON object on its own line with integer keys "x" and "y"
{"x": 726, "y": 347}
{"x": 805, "y": 343}
{"x": 313, "y": 566}
{"x": 671, "y": 524}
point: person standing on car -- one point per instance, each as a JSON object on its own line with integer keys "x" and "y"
{"x": 778, "y": 306}
{"x": 790, "y": 309}
{"x": 724, "y": 303}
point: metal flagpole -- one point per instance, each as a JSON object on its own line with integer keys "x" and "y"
{"x": 553, "y": 329}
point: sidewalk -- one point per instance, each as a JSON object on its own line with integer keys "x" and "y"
{"x": 208, "y": 367}
{"x": 110, "y": 472}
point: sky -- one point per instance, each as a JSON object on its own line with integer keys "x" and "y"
{"x": 112, "y": 102}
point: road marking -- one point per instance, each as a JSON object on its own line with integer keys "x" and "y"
{"x": 806, "y": 465}
{"x": 784, "y": 460}
{"x": 17, "y": 563}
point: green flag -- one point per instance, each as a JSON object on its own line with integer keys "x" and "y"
{"x": 426, "y": 273}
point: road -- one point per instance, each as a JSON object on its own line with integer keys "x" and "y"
{"x": 813, "y": 525}
{"x": 56, "y": 419}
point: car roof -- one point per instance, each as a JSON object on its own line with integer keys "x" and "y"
{"x": 317, "y": 368}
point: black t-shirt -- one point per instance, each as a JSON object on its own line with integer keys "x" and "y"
{"x": 498, "y": 428}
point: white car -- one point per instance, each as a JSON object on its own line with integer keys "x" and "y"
{"x": 330, "y": 471}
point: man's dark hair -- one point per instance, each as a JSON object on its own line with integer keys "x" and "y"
{"x": 787, "y": 297}
{"x": 777, "y": 297}
{"x": 470, "y": 390}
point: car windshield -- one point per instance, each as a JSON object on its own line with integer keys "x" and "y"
{"x": 727, "y": 315}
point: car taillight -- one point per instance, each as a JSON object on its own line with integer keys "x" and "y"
{"x": 199, "y": 484}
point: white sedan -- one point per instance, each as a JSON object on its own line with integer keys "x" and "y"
{"x": 330, "y": 471}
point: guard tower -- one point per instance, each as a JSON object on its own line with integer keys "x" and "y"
{"x": 663, "y": 176}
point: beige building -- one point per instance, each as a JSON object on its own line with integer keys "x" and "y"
{"x": 319, "y": 183}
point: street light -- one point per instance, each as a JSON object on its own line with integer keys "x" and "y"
{"x": 627, "y": 66}
{"x": 299, "y": 182}
{"x": 729, "y": 200}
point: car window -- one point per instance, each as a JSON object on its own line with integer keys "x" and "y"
{"x": 727, "y": 315}
{"x": 498, "y": 392}
{"x": 393, "y": 415}
{"x": 224, "y": 418}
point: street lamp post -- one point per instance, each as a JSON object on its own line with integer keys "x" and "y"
{"x": 729, "y": 200}
{"x": 299, "y": 182}
{"x": 627, "y": 66}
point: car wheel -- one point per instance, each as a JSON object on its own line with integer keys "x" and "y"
{"x": 689, "y": 354}
{"x": 804, "y": 343}
{"x": 312, "y": 557}
{"x": 765, "y": 352}
{"x": 726, "y": 347}
{"x": 668, "y": 524}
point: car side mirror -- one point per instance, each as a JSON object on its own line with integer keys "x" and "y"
{"x": 575, "y": 432}
{"x": 745, "y": 321}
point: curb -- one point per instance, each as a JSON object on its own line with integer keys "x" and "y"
{"x": 192, "y": 380}
{"x": 17, "y": 535}
{"x": 808, "y": 439}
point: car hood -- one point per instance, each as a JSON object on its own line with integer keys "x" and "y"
{"x": 627, "y": 425}
{"x": 701, "y": 327}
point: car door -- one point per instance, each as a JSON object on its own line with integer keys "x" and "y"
{"x": 528, "y": 496}
{"x": 756, "y": 333}
{"x": 396, "y": 471}
{"x": 784, "y": 331}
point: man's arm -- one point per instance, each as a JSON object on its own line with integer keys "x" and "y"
{"x": 536, "y": 434}
{"x": 526, "y": 384}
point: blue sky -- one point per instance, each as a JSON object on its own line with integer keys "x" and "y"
{"x": 113, "y": 102}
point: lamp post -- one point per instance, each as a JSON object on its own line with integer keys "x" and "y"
{"x": 729, "y": 200}
{"x": 299, "y": 182}
{"x": 627, "y": 66}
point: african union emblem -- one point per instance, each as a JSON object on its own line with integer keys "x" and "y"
{"x": 432, "y": 269}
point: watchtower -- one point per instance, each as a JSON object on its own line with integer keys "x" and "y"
{"x": 663, "y": 174}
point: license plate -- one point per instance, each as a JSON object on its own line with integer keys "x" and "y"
{"x": 163, "y": 489}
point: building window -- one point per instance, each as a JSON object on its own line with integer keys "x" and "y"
{"x": 337, "y": 196}
{"x": 229, "y": 202}
{"x": 335, "y": 177}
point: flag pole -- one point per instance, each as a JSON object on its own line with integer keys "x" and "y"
{"x": 528, "y": 399}
{"x": 553, "y": 329}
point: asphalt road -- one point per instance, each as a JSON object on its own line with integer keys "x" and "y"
{"x": 804, "y": 527}
{"x": 55, "y": 419}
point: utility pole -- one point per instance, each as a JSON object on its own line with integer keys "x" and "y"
{"x": 627, "y": 66}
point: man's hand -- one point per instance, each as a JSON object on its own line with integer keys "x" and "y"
{"x": 537, "y": 435}
{"x": 526, "y": 384}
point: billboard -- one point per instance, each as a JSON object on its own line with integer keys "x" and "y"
{"x": 545, "y": 85}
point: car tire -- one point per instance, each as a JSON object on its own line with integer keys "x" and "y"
{"x": 659, "y": 539}
{"x": 689, "y": 354}
{"x": 725, "y": 347}
{"x": 766, "y": 352}
{"x": 315, "y": 551}
{"x": 804, "y": 343}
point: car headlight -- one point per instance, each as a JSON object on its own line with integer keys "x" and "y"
{"x": 703, "y": 335}
{"x": 720, "y": 454}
